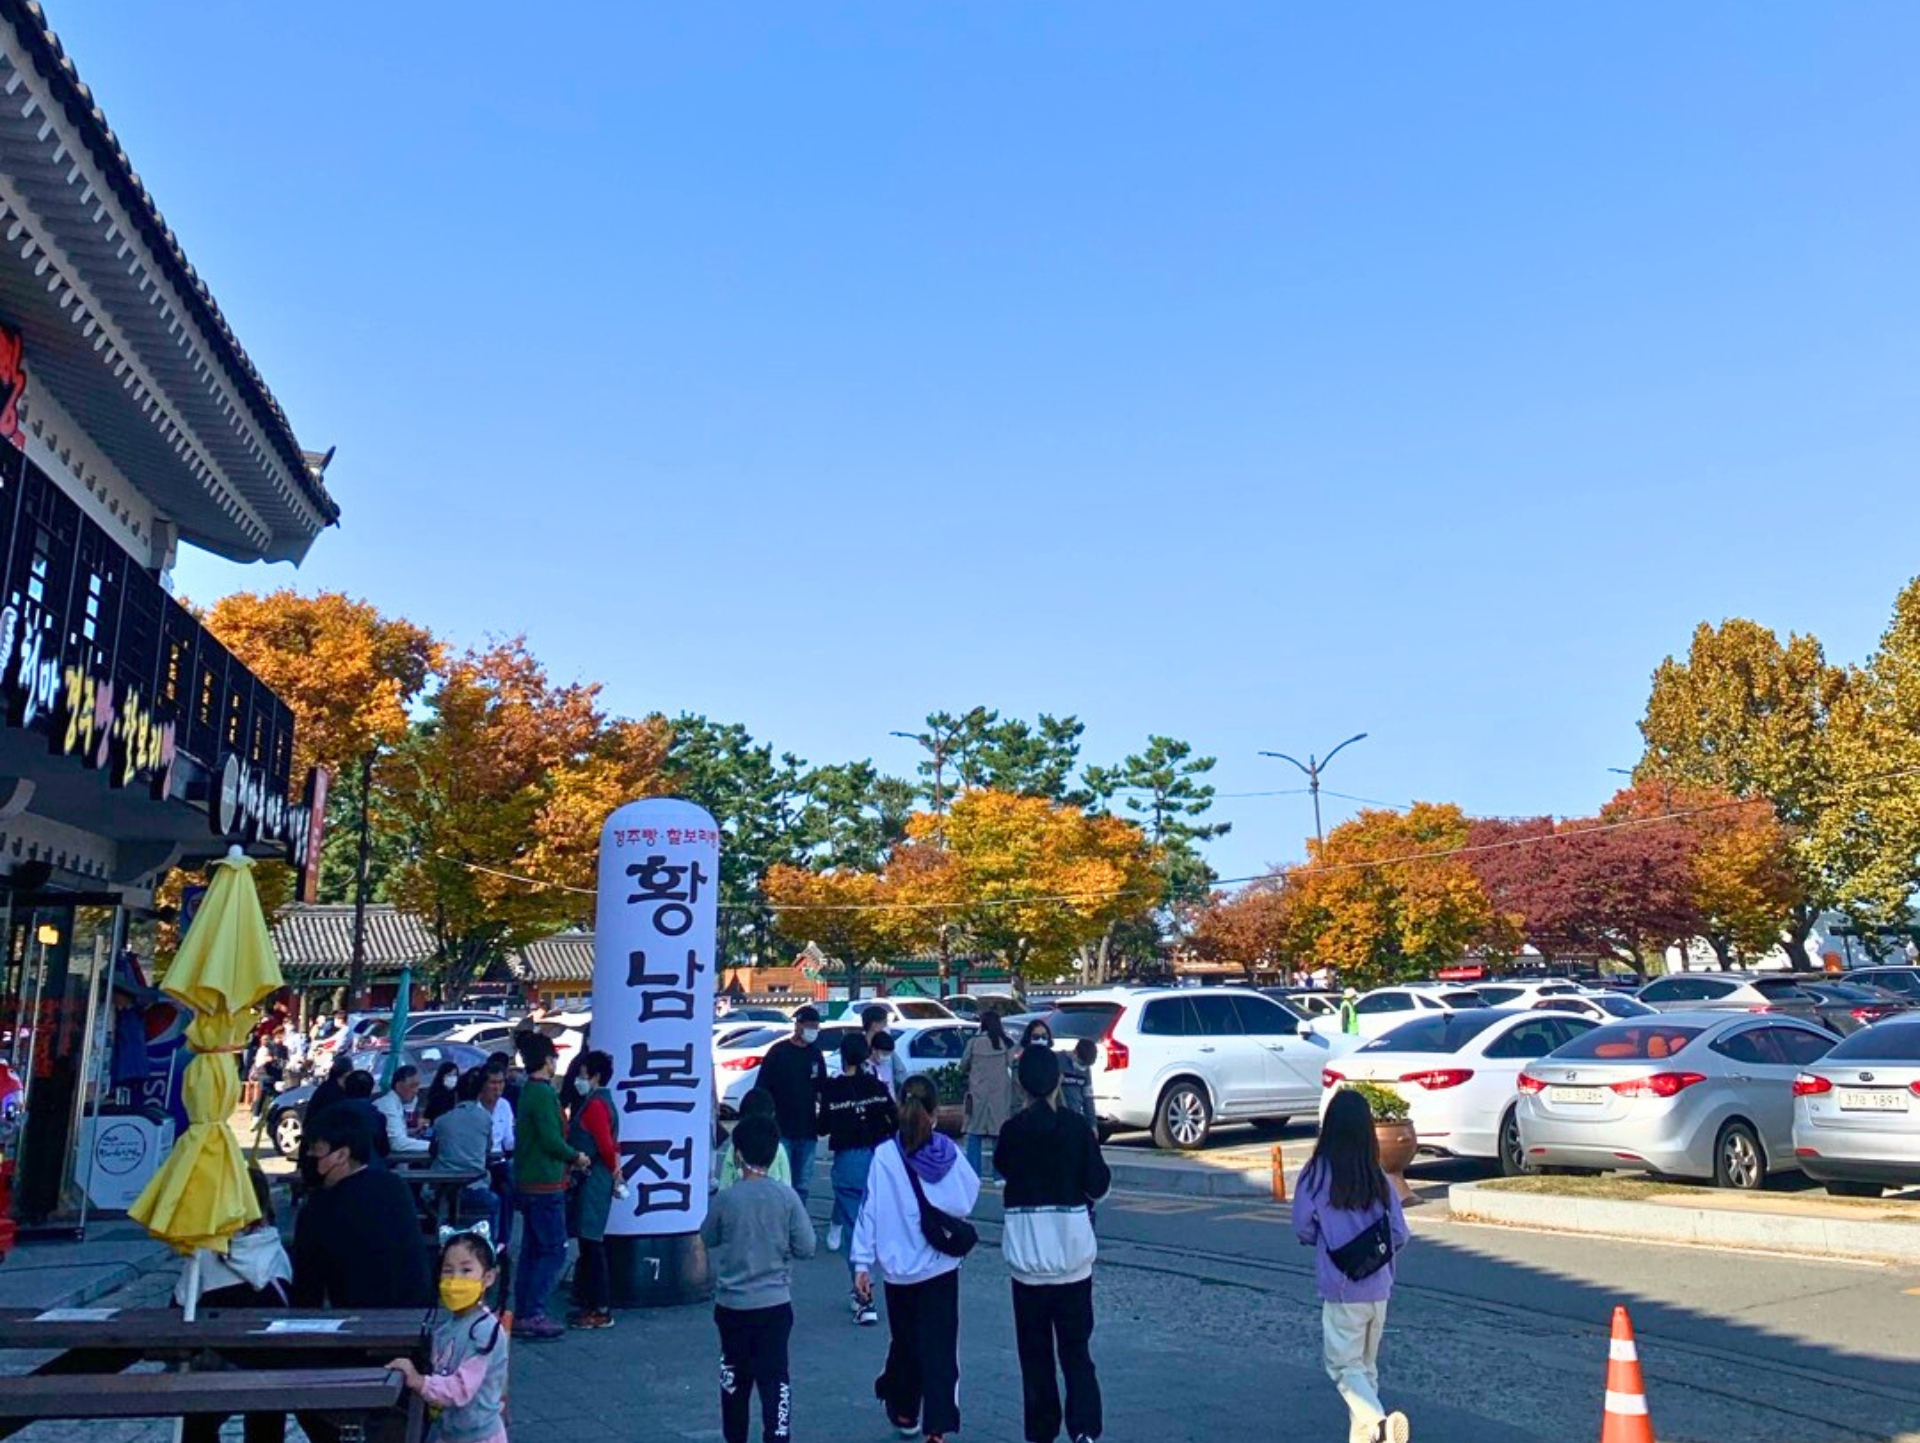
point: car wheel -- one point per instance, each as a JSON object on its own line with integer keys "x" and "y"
{"x": 1855, "y": 1189}
{"x": 1183, "y": 1119}
{"x": 1737, "y": 1159}
{"x": 286, "y": 1134}
{"x": 1513, "y": 1155}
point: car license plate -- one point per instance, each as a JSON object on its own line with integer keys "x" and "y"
{"x": 1854, "y": 1099}
{"x": 1577, "y": 1096}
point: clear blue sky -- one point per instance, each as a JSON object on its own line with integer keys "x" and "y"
{"x": 1256, "y": 374}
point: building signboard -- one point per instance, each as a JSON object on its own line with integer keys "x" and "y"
{"x": 653, "y": 1008}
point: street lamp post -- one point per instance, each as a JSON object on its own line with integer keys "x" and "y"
{"x": 1313, "y": 766}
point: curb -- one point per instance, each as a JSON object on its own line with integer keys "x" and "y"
{"x": 1702, "y": 1227}
{"x": 1190, "y": 1179}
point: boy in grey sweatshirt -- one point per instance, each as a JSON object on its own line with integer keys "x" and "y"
{"x": 753, "y": 1232}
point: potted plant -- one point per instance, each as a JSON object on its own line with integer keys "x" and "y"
{"x": 1393, "y": 1131}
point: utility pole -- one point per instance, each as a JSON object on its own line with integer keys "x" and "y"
{"x": 1313, "y": 766}
{"x": 357, "y": 966}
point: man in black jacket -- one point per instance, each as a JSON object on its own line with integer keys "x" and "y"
{"x": 1054, "y": 1173}
{"x": 793, "y": 1073}
{"x": 356, "y": 1243}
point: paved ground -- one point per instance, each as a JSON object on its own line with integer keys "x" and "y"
{"x": 1208, "y": 1330}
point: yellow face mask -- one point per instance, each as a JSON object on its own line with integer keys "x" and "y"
{"x": 459, "y": 1294}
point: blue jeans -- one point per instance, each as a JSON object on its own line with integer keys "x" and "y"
{"x": 849, "y": 1174}
{"x": 477, "y": 1202}
{"x": 543, "y": 1250}
{"x": 501, "y": 1174}
{"x": 976, "y": 1147}
{"x": 800, "y": 1159}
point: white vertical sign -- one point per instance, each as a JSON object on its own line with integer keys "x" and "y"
{"x": 653, "y": 1007}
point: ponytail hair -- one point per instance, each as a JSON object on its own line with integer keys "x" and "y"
{"x": 919, "y": 1106}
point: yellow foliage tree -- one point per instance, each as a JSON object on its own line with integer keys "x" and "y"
{"x": 1365, "y": 909}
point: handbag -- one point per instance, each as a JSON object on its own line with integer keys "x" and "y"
{"x": 946, "y": 1234}
{"x": 1366, "y": 1253}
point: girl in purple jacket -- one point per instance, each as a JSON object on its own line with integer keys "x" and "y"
{"x": 1345, "y": 1209}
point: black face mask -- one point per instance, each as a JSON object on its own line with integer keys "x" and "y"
{"x": 309, "y": 1171}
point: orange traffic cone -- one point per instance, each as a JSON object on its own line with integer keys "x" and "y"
{"x": 1626, "y": 1419}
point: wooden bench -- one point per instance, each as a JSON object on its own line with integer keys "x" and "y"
{"x": 348, "y": 1397}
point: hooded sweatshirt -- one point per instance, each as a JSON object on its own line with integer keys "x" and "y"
{"x": 888, "y": 1229}
{"x": 1053, "y": 1168}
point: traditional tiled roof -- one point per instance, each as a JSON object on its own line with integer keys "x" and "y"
{"x": 29, "y": 21}
{"x": 316, "y": 942}
{"x": 563, "y": 957}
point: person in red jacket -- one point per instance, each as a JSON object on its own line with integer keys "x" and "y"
{"x": 594, "y": 1132}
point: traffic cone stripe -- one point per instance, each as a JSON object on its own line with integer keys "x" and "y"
{"x": 1628, "y": 1403}
{"x": 1621, "y": 1350}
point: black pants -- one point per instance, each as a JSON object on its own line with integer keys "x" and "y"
{"x": 1045, "y": 1318}
{"x": 592, "y": 1280}
{"x": 922, "y": 1379}
{"x": 753, "y": 1354}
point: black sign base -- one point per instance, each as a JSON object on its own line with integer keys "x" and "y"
{"x": 664, "y": 1272}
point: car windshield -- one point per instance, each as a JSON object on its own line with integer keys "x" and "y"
{"x": 1082, "y": 1019}
{"x": 1463, "y": 999}
{"x": 921, "y": 1011}
{"x": 1439, "y": 1032}
{"x": 1628, "y": 1042}
{"x": 1498, "y": 996}
{"x": 755, "y": 1037}
{"x": 1622, "y": 1006}
{"x": 1883, "y": 1042}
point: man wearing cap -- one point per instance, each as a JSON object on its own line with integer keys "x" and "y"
{"x": 1054, "y": 1175}
{"x": 793, "y": 1073}
{"x": 1349, "y": 1014}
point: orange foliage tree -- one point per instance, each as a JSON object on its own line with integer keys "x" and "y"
{"x": 1382, "y": 899}
{"x": 1256, "y": 929}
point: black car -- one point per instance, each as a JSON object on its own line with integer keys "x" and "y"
{"x": 1901, "y": 981}
{"x": 1850, "y": 1005}
{"x": 286, "y": 1114}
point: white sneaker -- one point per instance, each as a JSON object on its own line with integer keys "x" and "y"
{"x": 1393, "y": 1428}
{"x": 834, "y": 1233}
{"x": 866, "y": 1315}
{"x": 854, "y": 1303}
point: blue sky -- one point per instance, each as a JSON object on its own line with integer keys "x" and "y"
{"x": 1255, "y": 374}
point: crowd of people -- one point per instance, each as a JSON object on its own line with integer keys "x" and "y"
{"x": 539, "y": 1153}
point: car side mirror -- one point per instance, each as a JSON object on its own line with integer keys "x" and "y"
{"x": 1305, "y": 1029}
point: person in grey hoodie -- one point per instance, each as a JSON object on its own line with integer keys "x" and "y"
{"x": 920, "y": 1386}
{"x": 753, "y": 1232}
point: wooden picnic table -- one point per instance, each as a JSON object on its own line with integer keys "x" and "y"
{"x": 425, "y": 1174}
{"x": 305, "y": 1360}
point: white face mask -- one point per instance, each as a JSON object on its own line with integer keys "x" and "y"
{"x": 582, "y": 1086}
{"x": 809, "y": 1035}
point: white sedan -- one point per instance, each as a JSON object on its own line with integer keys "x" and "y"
{"x": 1459, "y": 1072}
{"x": 925, "y": 1047}
{"x": 1385, "y": 1008}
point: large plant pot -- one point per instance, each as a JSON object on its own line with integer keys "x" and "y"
{"x": 1398, "y": 1143}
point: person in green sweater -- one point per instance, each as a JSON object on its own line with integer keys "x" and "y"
{"x": 542, "y": 1158}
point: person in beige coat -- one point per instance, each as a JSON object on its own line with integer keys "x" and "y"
{"x": 985, "y": 1067}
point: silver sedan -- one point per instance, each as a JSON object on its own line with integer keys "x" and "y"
{"x": 1683, "y": 1094}
{"x": 1856, "y": 1112}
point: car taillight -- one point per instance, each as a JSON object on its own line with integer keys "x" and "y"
{"x": 1763, "y": 1007}
{"x": 1531, "y": 1084}
{"x": 1914, "y": 1088}
{"x": 1807, "y": 1085}
{"x": 1330, "y": 1078}
{"x": 740, "y": 1064}
{"x": 1871, "y": 1012}
{"x": 1117, "y": 1055}
{"x": 1661, "y": 1084}
{"x": 1439, "y": 1078}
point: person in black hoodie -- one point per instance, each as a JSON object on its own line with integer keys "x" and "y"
{"x": 793, "y": 1072}
{"x": 1054, "y": 1173}
{"x": 857, "y": 1115}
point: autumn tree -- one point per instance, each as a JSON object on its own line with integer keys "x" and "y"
{"x": 1877, "y": 760}
{"x": 349, "y": 675}
{"x": 500, "y": 793}
{"x": 1739, "y": 862}
{"x": 1037, "y": 879}
{"x": 1256, "y": 929}
{"x": 1760, "y": 719}
{"x": 1383, "y": 898}
{"x": 1588, "y": 887}
{"x": 847, "y": 914}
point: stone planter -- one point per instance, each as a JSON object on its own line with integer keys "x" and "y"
{"x": 1398, "y": 1143}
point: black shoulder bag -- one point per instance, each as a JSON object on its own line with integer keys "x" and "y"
{"x": 1364, "y": 1255}
{"x": 945, "y": 1234}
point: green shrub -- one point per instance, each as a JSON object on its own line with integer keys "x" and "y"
{"x": 1387, "y": 1105}
{"x": 948, "y": 1083}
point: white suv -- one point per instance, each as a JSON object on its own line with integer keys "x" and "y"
{"x": 1179, "y": 1059}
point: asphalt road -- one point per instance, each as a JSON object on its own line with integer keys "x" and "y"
{"x": 1209, "y": 1329}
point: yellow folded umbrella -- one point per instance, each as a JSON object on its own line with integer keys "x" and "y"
{"x": 226, "y": 966}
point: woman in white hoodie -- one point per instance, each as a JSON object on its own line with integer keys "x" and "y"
{"x": 921, "y": 1384}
